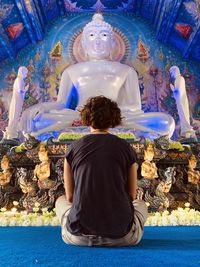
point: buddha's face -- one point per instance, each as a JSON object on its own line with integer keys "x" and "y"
{"x": 148, "y": 155}
{"x": 97, "y": 42}
{"x": 192, "y": 163}
{"x": 43, "y": 155}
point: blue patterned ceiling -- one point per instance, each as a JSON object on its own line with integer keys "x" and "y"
{"x": 176, "y": 22}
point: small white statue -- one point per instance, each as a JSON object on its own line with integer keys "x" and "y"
{"x": 99, "y": 75}
{"x": 180, "y": 95}
{"x": 16, "y": 104}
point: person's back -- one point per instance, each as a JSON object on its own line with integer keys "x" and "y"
{"x": 100, "y": 164}
{"x": 100, "y": 179}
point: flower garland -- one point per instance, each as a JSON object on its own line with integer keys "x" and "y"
{"x": 181, "y": 216}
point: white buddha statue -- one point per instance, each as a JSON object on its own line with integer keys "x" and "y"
{"x": 179, "y": 92}
{"x": 99, "y": 75}
{"x": 19, "y": 90}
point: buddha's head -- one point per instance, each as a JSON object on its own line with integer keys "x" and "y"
{"x": 149, "y": 153}
{"x": 43, "y": 153}
{"x": 174, "y": 72}
{"x": 98, "y": 38}
{"x": 192, "y": 162}
{"x": 5, "y": 163}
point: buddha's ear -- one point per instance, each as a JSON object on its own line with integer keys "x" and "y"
{"x": 113, "y": 47}
{"x": 83, "y": 48}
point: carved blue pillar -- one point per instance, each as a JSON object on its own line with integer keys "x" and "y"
{"x": 138, "y": 6}
{"x": 195, "y": 36}
{"x": 26, "y": 21}
{"x": 169, "y": 14}
{"x": 35, "y": 22}
{"x": 9, "y": 50}
{"x": 61, "y": 6}
{"x": 158, "y": 14}
{"x": 40, "y": 12}
{"x": 148, "y": 9}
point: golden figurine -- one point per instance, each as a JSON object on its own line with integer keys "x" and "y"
{"x": 148, "y": 168}
{"x": 42, "y": 171}
{"x": 193, "y": 175}
{"x": 6, "y": 174}
{"x": 56, "y": 52}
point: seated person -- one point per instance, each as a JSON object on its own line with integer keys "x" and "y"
{"x": 100, "y": 178}
{"x": 97, "y": 76}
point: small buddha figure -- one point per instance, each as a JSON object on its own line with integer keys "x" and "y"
{"x": 19, "y": 90}
{"x": 179, "y": 92}
{"x": 6, "y": 174}
{"x": 193, "y": 175}
{"x": 148, "y": 168}
{"x": 98, "y": 75}
{"x": 42, "y": 171}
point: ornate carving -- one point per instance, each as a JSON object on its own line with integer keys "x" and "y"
{"x": 45, "y": 189}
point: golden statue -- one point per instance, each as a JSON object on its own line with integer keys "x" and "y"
{"x": 193, "y": 175}
{"x": 148, "y": 168}
{"x": 42, "y": 171}
{"x": 6, "y": 174}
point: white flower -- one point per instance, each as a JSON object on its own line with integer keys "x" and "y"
{"x": 44, "y": 210}
{"x": 26, "y": 222}
{"x": 15, "y": 203}
{"x": 37, "y": 222}
{"x": 36, "y": 209}
{"x": 3, "y": 209}
{"x": 54, "y": 221}
{"x": 187, "y": 204}
{"x": 37, "y": 204}
{"x": 4, "y": 221}
{"x": 13, "y": 222}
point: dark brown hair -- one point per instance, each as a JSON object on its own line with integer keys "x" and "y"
{"x": 101, "y": 113}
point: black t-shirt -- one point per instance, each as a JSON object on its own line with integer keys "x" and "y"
{"x": 100, "y": 165}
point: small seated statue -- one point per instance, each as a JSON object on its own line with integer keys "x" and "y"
{"x": 180, "y": 95}
{"x": 6, "y": 174}
{"x": 193, "y": 175}
{"x": 148, "y": 168}
{"x": 15, "y": 109}
{"x": 42, "y": 171}
{"x": 99, "y": 75}
{"x": 9, "y": 191}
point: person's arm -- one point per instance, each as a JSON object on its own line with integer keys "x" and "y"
{"x": 68, "y": 182}
{"x": 132, "y": 181}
